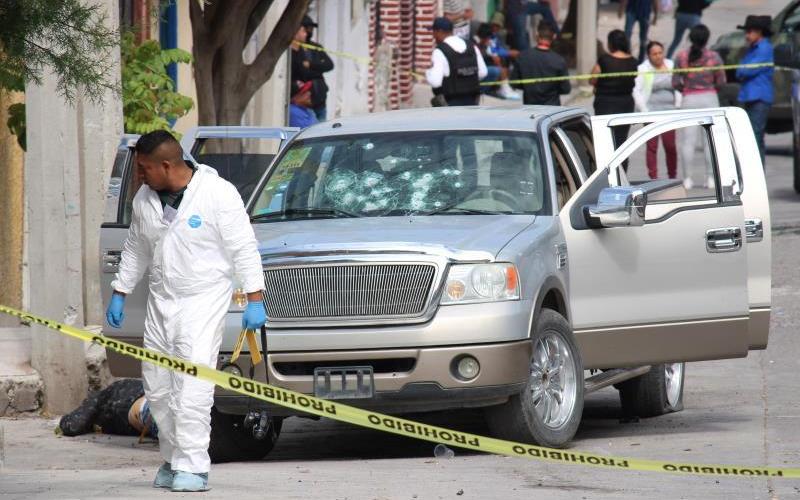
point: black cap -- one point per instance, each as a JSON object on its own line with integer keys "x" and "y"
{"x": 442, "y": 24}
{"x": 761, "y": 23}
{"x": 307, "y": 21}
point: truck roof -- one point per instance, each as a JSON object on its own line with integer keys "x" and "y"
{"x": 522, "y": 118}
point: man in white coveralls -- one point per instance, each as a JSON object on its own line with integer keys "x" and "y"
{"x": 190, "y": 228}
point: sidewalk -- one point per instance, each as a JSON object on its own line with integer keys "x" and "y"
{"x": 21, "y": 388}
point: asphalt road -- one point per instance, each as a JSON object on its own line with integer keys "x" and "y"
{"x": 740, "y": 411}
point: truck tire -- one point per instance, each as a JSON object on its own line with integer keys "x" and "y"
{"x": 796, "y": 156}
{"x": 549, "y": 410}
{"x": 231, "y": 442}
{"x": 655, "y": 393}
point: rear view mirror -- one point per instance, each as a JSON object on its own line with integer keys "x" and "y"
{"x": 617, "y": 207}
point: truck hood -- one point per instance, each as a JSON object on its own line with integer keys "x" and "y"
{"x": 441, "y": 234}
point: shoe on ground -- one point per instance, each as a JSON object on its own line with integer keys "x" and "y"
{"x": 687, "y": 183}
{"x": 506, "y": 92}
{"x": 188, "y": 481}
{"x": 164, "y": 476}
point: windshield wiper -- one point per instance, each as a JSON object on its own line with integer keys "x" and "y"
{"x": 329, "y": 212}
{"x": 455, "y": 209}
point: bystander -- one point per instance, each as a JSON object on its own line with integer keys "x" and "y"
{"x": 539, "y": 62}
{"x": 756, "y": 93}
{"x": 615, "y": 95}
{"x": 699, "y": 89}
{"x": 638, "y": 11}
{"x": 318, "y": 64}
{"x": 654, "y": 92}
{"x": 301, "y": 113}
{"x": 688, "y": 14}
{"x": 517, "y": 12}
{"x": 456, "y": 67}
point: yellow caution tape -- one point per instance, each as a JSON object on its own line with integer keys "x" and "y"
{"x": 252, "y": 345}
{"x": 396, "y": 425}
{"x": 589, "y": 76}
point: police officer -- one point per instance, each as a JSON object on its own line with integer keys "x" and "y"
{"x": 456, "y": 67}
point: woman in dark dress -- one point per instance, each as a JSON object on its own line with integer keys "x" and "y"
{"x": 615, "y": 95}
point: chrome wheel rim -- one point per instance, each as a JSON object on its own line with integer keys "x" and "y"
{"x": 553, "y": 381}
{"x": 673, "y": 379}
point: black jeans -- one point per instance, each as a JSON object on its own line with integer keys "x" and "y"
{"x": 462, "y": 100}
{"x": 758, "y": 111}
{"x": 613, "y": 104}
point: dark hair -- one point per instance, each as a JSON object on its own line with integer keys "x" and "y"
{"x": 545, "y": 30}
{"x": 617, "y": 41}
{"x": 484, "y": 30}
{"x": 652, "y": 44}
{"x": 698, "y": 35}
{"x": 150, "y": 141}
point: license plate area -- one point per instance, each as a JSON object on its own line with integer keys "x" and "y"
{"x": 344, "y": 382}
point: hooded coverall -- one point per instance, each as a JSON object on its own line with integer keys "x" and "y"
{"x": 192, "y": 263}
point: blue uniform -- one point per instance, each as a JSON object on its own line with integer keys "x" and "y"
{"x": 756, "y": 93}
{"x": 300, "y": 116}
{"x": 757, "y": 82}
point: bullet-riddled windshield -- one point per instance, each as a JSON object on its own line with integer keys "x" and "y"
{"x": 419, "y": 173}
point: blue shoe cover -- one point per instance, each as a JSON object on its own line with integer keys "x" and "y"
{"x": 164, "y": 476}
{"x": 187, "y": 481}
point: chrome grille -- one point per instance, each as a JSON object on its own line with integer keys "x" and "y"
{"x": 338, "y": 291}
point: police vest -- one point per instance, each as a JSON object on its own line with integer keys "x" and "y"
{"x": 463, "y": 79}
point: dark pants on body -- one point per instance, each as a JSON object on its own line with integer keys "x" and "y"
{"x": 520, "y": 23}
{"x": 757, "y": 111}
{"x": 611, "y": 105}
{"x": 644, "y": 26}
{"x": 683, "y": 23}
{"x": 462, "y": 100}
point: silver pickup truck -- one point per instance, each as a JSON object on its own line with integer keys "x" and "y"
{"x": 513, "y": 259}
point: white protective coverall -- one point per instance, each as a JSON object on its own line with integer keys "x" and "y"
{"x": 192, "y": 264}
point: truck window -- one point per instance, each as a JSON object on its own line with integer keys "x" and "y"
{"x": 567, "y": 180}
{"x": 580, "y": 137}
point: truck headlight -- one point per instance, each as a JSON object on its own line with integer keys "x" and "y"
{"x": 468, "y": 283}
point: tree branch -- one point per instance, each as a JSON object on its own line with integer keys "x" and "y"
{"x": 263, "y": 66}
{"x": 228, "y": 21}
{"x": 197, "y": 18}
{"x": 255, "y": 17}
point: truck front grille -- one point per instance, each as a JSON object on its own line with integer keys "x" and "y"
{"x": 348, "y": 291}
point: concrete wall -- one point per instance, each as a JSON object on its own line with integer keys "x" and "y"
{"x": 71, "y": 147}
{"x": 344, "y": 27}
{"x": 11, "y": 208}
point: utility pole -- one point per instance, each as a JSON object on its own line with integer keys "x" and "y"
{"x": 11, "y": 206}
{"x": 587, "y": 38}
{"x": 71, "y": 147}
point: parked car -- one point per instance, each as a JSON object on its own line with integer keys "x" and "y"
{"x": 784, "y": 115}
{"x": 499, "y": 258}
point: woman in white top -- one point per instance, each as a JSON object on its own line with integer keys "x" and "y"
{"x": 654, "y": 92}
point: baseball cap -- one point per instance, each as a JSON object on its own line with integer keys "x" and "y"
{"x": 298, "y": 87}
{"x": 307, "y": 21}
{"x": 442, "y": 24}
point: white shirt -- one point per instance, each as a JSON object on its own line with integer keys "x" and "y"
{"x": 440, "y": 69}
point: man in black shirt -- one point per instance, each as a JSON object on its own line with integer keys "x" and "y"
{"x": 539, "y": 62}
{"x": 318, "y": 63}
{"x": 687, "y": 15}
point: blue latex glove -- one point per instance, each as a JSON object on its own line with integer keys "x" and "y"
{"x": 254, "y": 316}
{"x": 114, "y": 314}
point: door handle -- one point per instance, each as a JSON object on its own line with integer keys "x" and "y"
{"x": 724, "y": 239}
{"x": 753, "y": 230}
{"x": 111, "y": 259}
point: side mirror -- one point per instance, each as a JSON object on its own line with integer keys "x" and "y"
{"x": 617, "y": 207}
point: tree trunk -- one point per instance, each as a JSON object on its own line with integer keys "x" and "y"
{"x": 224, "y": 83}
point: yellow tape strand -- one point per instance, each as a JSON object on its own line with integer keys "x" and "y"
{"x": 724, "y": 67}
{"x": 396, "y": 425}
